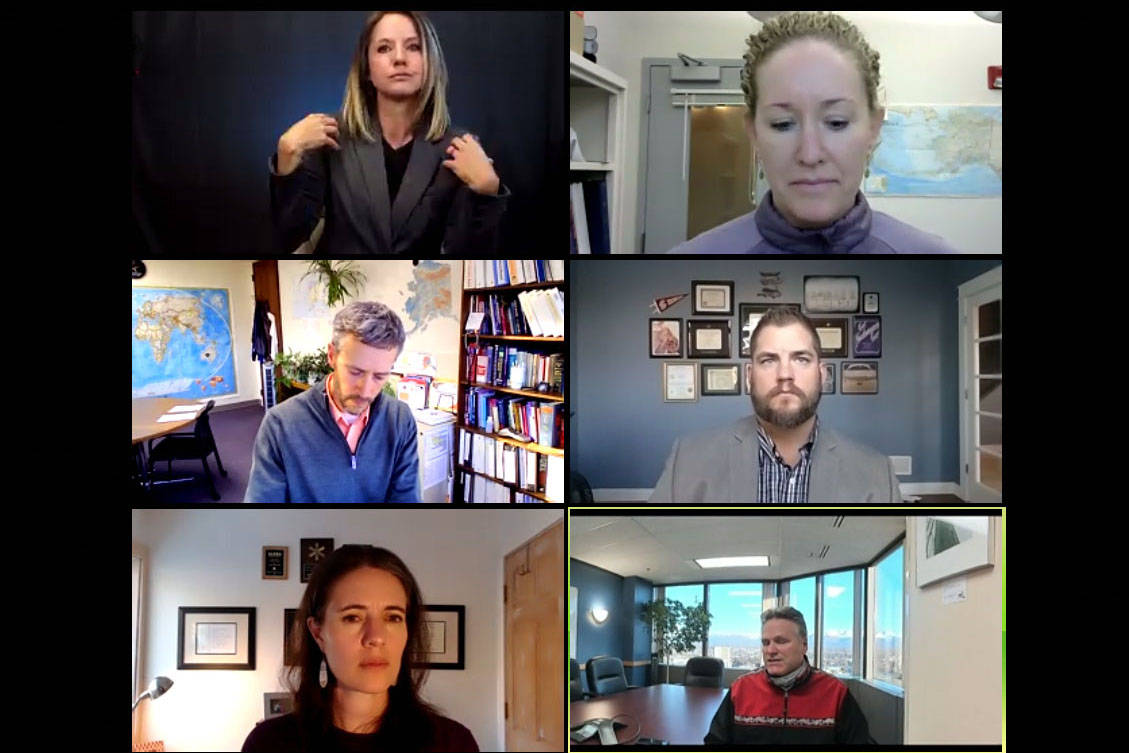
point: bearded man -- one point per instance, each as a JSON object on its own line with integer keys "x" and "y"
{"x": 782, "y": 454}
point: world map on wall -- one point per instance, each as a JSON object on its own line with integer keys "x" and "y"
{"x": 182, "y": 344}
{"x": 939, "y": 150}
{"x": 429, "y": 294}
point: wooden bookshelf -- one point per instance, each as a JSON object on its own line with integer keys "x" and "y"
{"x": 544, "y": 346}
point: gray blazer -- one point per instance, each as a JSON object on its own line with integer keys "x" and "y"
{"x": 721, "y": 466}
{"x": 433, "y": 209}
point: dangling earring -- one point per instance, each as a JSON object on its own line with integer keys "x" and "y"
{"x": 323, "y": 674}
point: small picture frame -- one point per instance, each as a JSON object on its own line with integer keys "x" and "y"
{"x": 712, "y": 296}
{"x": 666, "y": 338}
{"x": 832, "y": 337}
{"x": 749, "y": 316}
{"x": 289, "y": 650}
{"x": 215, "y": 638}
{"x": 446, "y": 636}
{"x": 948, "y": 546}
{"x": 707, "y": 338}
{"x": 828, "y": 387}
{"x": 680, "y": 382}
{"x": 313, "y": 552}
{"x": 276, "y": 562}
{"x": 721, "y": 378}
{"x": 831, "y": 294}
{"x": 858, "y": 378}
{"x": 277, "y": 704}
{"x": 866, "y": 336}
{"x": 870, "y": 303}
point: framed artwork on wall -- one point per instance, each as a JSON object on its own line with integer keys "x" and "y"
{"x": 680, "y": 382}
{"x": 313, "y": 552}
{"x": 707, "y": 338}
{"x": 859, "y": 378}
{"x": 866, "y": 336}
{"x": 870, "y": 303}
{"x": 832, "y": 337}
{"x": 276, "y": 562}
{"x": 277, "y": 704}
{"x": 666, "y": 338}
{"x": 446, "y": 636}
{"x": 289, "y": 650}
{"x": 215, "y": 638}
{"x": 828, "y": 387}
{"x": 749, "y": 315}
{"x": 831, "y": 294}
{"x": 712, "y": 296}
{"x": 948, "y": 546}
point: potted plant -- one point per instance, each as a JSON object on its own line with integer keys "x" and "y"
{"x": 340, "y": 278}
{"x": 675, "y": 627}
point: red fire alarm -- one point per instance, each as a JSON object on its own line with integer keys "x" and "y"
{"x": 995, "y": 77}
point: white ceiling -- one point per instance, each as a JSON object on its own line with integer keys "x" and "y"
{"x": 662, "y": 549}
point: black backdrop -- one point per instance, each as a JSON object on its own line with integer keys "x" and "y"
{"x": 213, "y": 91}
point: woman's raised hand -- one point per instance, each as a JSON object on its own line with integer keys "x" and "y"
{"x": 311, "y": 132}
{"x": 468, "y": 161}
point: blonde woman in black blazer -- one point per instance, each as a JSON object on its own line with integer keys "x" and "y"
{"x": 392, "y": 174}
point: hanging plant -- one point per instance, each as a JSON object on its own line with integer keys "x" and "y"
{"x": 340, "y": 278}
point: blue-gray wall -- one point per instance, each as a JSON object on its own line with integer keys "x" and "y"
{"x": 622, "y": 431}
{"x": 623, "y": 634}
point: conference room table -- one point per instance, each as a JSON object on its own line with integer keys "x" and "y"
{"x": 678, "y": 714}
{"x": 146, "y": 411}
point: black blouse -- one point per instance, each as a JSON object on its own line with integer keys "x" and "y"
{"x": 283, "y": 735}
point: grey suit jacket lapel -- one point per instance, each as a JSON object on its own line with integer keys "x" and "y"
{"x": 825, "y": 468}
{"x": 744, "y": 462}
{"x": 422, "y": 164}
{"x": 374, "y": 178}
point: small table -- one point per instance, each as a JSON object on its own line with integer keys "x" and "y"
{"x": 146, "y": 411}
{"x": 679, "y": 714}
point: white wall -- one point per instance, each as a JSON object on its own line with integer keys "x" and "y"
{"x": 213, "y": 558}
{"x": 953, "y": 655}
{"x": 235, "y": 276}
{"x": 307, "y": 323}
{"x": 931, "y": 57}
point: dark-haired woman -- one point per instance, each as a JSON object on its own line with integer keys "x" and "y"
{"x": 391, "y": 173}
{"x": 355, "y": 686}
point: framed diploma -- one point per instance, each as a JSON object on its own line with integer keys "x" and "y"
{"x": 832, "y": 337}
{"x": 721, "y": 379}
{"x": 680, "y": 382}
{"x": 707, "y": 338}
{"x": 276, "y": 562}
{"x": 712, "y": 296}
{"x": 215, "y": 638}
{"x": 831, "y": 295}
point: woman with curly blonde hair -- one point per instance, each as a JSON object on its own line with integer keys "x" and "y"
{"x": 389, "y": 171}
{"x": 811, "y": 86}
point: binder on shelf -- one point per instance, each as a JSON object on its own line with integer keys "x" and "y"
{"x": 596, "y": 208}
{"x": 579, "y": 218}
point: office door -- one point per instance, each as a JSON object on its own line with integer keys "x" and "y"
{"x": 696, "y": 153}
{"x": 982, "y": 386}
{"x": 533, "y": 593}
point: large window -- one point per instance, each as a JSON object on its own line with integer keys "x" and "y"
{"x": 837, "y": 647}
{"x": 887, "y": 645}
{"x": 801, "y": 596}
{"x": 735, "y": 631}
{"x": 689, "y": 596}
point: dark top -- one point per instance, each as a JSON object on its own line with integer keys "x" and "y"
{"x": 283, "y": 735}
{"x": 396, "y": 163}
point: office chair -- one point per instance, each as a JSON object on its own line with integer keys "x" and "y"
{"x": 704, "y": 672}
{"x": 575, "y": 691}
{"x": 605, "y": 675}
{"x": 195, "y": 445}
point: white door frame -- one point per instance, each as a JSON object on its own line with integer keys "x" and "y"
{"x": 988, "y": 285}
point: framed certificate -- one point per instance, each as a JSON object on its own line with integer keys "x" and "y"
{"x": 276, "y": 562}
{"x": 707, "y": 338}
{"x": 680, "y": 382}
{"x": 832, "y": 337}
{"x": 215, "y": 638}
{"x": 831, "y": 295}
{"x": 721, "y": 379}
{"x": 749, "y": 316}
{"x": 712, "y": 296}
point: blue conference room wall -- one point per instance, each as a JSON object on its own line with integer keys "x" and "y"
{"x": 621, "y": 634}
{"x": 622, "y": 431}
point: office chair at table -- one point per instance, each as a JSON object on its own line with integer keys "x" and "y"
{"x": 605, "y": 675}
{"x": 704, "y": 672}
{"x": 197, "y": 444}
{"x": 575, "y": 691}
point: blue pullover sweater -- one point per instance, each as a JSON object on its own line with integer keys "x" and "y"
{"x": 302, "y": 456}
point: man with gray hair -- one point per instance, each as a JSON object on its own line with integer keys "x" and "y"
{"x": 788, "y": 702}
{"x": 341, "y": 440}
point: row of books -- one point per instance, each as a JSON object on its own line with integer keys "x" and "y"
{"x": 589, "y": 229}
{"x": 517, "y": 369}
{"x": 526, "y": 469}
{"x": 539, "y": 313}
{"x": 480, "y": 489}
{"x": 493, "y": 273}
{"x": 520, "y": 418}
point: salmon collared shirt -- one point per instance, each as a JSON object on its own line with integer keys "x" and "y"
{"x": 352, "y": 432}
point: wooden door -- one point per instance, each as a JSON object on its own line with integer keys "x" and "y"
{"x": 534, "y": 643}
{"x": 265, "y": 276}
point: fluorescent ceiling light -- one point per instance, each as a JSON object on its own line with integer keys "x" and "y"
{"x": 756, "y": 560}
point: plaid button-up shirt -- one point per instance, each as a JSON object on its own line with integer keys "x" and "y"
{"x": 778, "y": 482}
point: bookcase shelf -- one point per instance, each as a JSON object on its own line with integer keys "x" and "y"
{"x": 529, "y": 460}
{"x": 597, "y": 111}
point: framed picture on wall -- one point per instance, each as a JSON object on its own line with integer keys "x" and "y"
{"x": 749, "y": 316}
{"x": 313, "y": 552}
{"x": 712, "y": 296}
{"x": 948, "y": 546}
{"x": 831, "y": 294}
{"x": 215, "y": 638}
{"x": 277, "y": 704}
{"x": 870, "y": 303}
{"x": 832, "y": 337}
{"x": 666, "y": 338}
{"x": 276, "y": 562}
{"x": 721, "y": 378}
{"x": 680, "y": 382}
{"x": 446, "y": 636}
{"x": 707, "y": 338}
{"x": 828, "y": 387}
{"x": 859, "y": 378}
{"x": 289, "y": 650}
{"x": 866, "y": 336}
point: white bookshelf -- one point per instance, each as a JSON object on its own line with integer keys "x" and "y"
{"x": 597, "y": 112}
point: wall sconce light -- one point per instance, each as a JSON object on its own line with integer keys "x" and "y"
{"x": 598, "y": 614}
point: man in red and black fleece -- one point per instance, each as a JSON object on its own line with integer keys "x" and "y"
{"x": 788, "y": 702}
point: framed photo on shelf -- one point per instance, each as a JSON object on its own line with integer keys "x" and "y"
{"x": 948, "y": 546}
{"x": 446, "y": 636}
{"x": 666, "y": 338}
{"x": 707, "y": 338}
{"x": 866, "y": 336}
{"x": 870, "y": 303}
{"x": 831, "y": 294}
{"x": 750, "y": 316}
{"x": 828, "y": 387}
{"x": 277, "y": 704}
{"x": 680, "y": 382}
{"x": 832, "y": 337}
{"x": 276, "y": 562}
{"x": 215, "y": 638}
{"x": 712, "y": 296}
{"x": 313, "y": 552}
{"x": 859, "y": 378}
{"x": 721, "y": 378}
